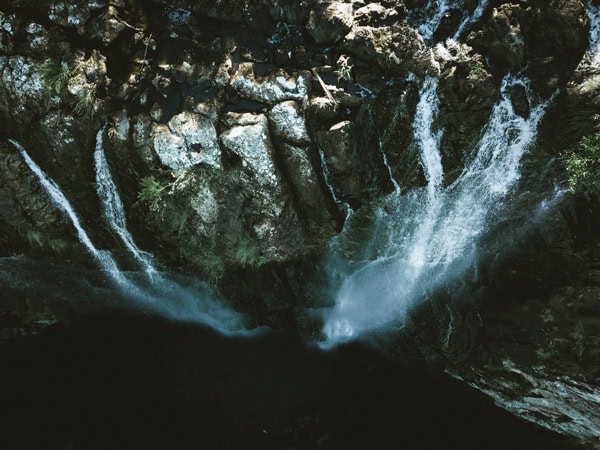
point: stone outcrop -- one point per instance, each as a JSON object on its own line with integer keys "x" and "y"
{"x": 235, "y": 129}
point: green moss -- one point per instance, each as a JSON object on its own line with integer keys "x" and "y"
{"x": 582, "y": 162}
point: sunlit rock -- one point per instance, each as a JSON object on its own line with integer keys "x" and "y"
{"x": 74, "y": 14}
{"x": 7, "y": 32}
{"x": 275, "y": 225}
{"x": 330, "y": 22}
{"x": 188, "y": 139}
{"x": 273, "y": 88}
{"x": 397, "y": 48}
{"x": 288, "y": 123}
{"x": 502, "y": 39}
{"x": 249, "y": 139}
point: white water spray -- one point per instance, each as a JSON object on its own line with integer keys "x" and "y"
{"x": 431, "y": 235}
{"x": 112, "y": 206}
{"x": 437, "y": 9}
{"x": 104, "y": 259}
{"x": 594, "y": 40}
{"x": 189, "y": 302}
{"x": 469, "y": 20}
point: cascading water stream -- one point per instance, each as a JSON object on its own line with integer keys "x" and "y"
{"x": 437, "y": 9}
{"x": 431, "y": 235}
{"x": 468, "y": 20}
{"x": 112, "y": 206}
{"x": 188, "y": 303}
{"x": 104, "y": 259}
{"x": 594, "y": 40}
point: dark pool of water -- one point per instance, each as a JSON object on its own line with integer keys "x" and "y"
{"x": 130, "y": 382}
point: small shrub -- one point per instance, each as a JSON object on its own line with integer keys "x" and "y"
{"x": 582, "y": 162}
{"x": 344, "y": 70}
{"x": 57, "y": 246}
{"x": 35, "y": 237}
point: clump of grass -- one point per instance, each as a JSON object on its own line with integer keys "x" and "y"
{"x": 55, "y": 76}
{"x": 40, "y": 240}
{"x": 85, "y": 103}
{"x": 169, "y": 198}
{"x": 211, "y": 267}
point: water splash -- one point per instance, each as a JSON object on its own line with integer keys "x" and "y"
{"x": 112, "y": 206}
{"x": 430, "y": 236}
{"x": 104, "y": 258}
{"x": 471, "y": 19}
{"x": 436, "y": 11}
{"x": 189, "y": 301}
{"x": 594, "y": 40}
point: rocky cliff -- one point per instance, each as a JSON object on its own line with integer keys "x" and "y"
{"x": 240, "y": 134}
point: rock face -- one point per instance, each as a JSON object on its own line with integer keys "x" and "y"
{"x": 549, "y": 37}
{"x": 188, "y": 140}
{"x": 235, "y": 131}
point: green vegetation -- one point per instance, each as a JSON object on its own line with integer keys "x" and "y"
{"x": 475, "y": 69}
{"x": 168, "y": 196}
{"x": 243, "y": 250}
{"x": 211, "y": 267}
{"x": 84, "y": 105}
{"x": 582, "y": 162}
{"x": 37, "y": 239}
{"x": 55, "y": 76}
{"x": 344, "y": 70}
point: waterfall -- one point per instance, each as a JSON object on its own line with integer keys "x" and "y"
{"x": 436, "y": 9}
{"x": 430, "y": 235}
{"x": 191, "y": 301}
{"x": 468, "y": 20}
{"x": 112, "y": 206}
{"x": 104, "y": 259}
{"x": 594, "y": 42}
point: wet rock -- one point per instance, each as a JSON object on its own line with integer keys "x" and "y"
{"x": 189, "y": 139}
{"x": 393, "y": 115}
{"x": 398, "y": 49}
{"x": 355, "y": 174}
{"x": 254, "y": 13}
{"x": 24, "y": 205}
{"x": 308, "y": 191}
{"x": 502, "y": 38}
{"x": 467, "y": 95}
{"x": 330, "y": 22}
{"x": 288, "y": 123}
{"x": 290, "y": 11}
{"x": 273, "y": 88}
